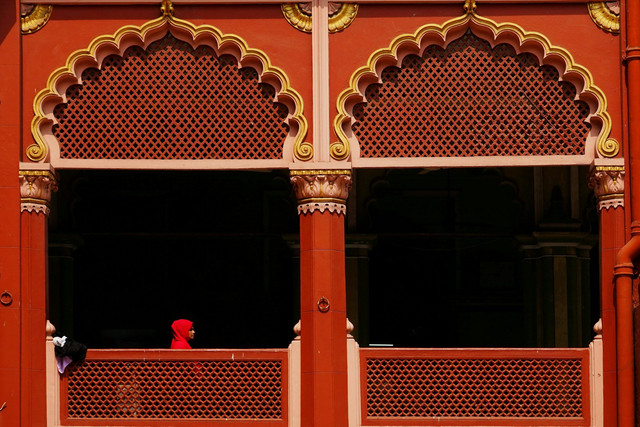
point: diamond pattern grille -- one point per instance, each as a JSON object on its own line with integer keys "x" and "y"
{"x": 140, "y": 389}
{"x": 470, "y": 100}
{"x": 170, "y": 101}
{"x": 538, "y": 388}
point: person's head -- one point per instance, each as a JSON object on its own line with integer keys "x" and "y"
{"x": 183, "y": 330}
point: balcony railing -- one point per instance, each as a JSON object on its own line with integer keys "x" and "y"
{"x": 477, "y": 387}
{"x": 387, "y": 387}
{"x": 154, "y": 387}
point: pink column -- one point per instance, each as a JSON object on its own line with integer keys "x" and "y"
{"x": 608, "y": 185}
{"x": 35, "y": 190}
{"x": 321, "y": 205}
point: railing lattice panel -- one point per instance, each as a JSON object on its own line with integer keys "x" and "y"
{"x": 534, "y": 386}
{"x": 176, "y": 389}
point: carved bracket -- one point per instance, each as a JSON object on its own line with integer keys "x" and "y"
{"x": 321, "y": 190}
{"x": 607, "y": 183}
{"x": 36, "y": 187}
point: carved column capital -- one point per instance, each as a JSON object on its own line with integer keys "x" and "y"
{"x": 321, "y": 189}
{"x": 36, "y": 187}
{"x": 607, "y": 183}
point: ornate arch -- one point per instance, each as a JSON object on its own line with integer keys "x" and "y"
{"x": 597, "y": 143}
{"x": 47, "y": 148}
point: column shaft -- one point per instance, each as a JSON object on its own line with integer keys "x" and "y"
{"x": 323, "y": 307}
{"x": 323, "y": 337}
{"x": 35, "y": 190}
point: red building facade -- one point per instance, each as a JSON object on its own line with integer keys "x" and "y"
{"x": 462, "y": 176}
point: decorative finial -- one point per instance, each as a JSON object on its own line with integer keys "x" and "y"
{"x": 166, "y": 8}
{"x": 297, "y": 328}
{"x": 597, "y": 328}
{"x": 469, "y": 6}
{"x": 50, "y": 329}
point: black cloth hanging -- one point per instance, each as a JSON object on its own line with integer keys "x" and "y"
{"x": 73, "y": 349}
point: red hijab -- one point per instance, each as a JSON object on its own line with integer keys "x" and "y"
{"x": 181, "y": 329}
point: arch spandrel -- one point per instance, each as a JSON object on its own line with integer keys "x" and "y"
{"x": 597, "y": 143}
{"x": 47, "y": 148}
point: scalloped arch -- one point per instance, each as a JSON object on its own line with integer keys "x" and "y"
{"x": 597, "y": 143}
{"x": 46, "y": 147}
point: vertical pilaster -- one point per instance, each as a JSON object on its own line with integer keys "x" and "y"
{"x": 320, "y": 50}
{"x": 36, "y": 187}
{"x": 10, "y": 131}
{"x": 321, "y": 206}
{"x": 608, "y": 185}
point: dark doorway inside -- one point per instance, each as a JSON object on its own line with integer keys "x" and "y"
{"x": 131, "y": 251}
{"x": 482, "y": 257}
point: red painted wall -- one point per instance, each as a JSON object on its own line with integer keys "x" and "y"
{"x": 10, "y": 324}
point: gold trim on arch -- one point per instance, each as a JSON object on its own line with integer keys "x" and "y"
{"x": 35, "y": 20}
{"x": 303, "y": 22}
{"x": 340, "y": 150}
{"x": 603, "y": 17}
{"x": 38, "y": 152}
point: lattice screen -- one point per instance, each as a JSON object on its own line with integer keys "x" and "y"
{"x": 170, "y": 102}
{"x": 470, "y": 100}
{"x": 549, "y": 388}
{"x": 140, "y": 389}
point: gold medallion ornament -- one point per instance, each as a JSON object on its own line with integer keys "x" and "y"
{"x": 606, "y": 15}
{"x": 341, "y": 15}
{"x": 34, "y": 17}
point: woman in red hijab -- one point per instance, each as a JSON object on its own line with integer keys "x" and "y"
{"x": 182, "y": 333}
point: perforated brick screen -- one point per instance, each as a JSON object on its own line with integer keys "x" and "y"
{"x": 173, "y": 389}
{"x": 170, "y": 102}
{"x": 470, "y": 100}
{"x": 476, "y": 388}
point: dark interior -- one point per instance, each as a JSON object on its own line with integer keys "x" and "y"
{"x": 435, "y": 257}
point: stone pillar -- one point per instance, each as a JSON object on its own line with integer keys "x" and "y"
{"x": 321, "y": 197}
{"x": 556, "y": 277}
{"x": 36, "y": 187}
{"x": 607, "y": 183}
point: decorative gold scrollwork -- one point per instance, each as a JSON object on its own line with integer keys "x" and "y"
{"x": 38, "y": 151}
{"x": 469, "y": 6}
{"x": 341, "y": 15}
{"x": 34, "y": 17}
{"x": 608, "y": 147}
{"x": 166, "y": 8}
